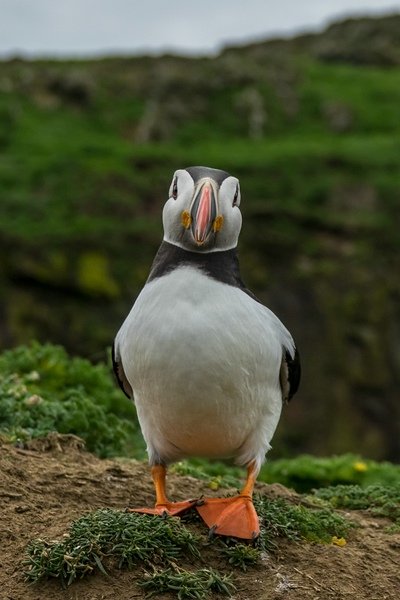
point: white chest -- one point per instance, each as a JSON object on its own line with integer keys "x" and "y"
{"x": 203, "y": 360}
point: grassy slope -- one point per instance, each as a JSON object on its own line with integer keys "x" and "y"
{"x": 80, "y": 162}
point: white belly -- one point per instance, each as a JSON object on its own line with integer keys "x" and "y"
{"x": 203, "y": 360}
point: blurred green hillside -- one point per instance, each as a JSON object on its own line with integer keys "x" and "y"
{"x": 310, "y": 126}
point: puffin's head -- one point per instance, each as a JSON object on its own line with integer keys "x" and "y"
{"x": 202, "y": 213}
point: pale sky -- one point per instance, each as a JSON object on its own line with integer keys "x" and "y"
{"x": 87, "y": 27}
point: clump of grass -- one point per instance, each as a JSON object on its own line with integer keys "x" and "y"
{"x": 127, "y": 538}
{"x": 188, "y": 584}
{"x": 280, "y": 519}
{"x": 379, "y": 500}
{"x": 241, "y": 555}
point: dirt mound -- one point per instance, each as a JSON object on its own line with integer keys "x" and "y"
{"x": 47, "y": 484}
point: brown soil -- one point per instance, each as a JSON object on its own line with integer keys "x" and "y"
{"x": 51, "y": 482}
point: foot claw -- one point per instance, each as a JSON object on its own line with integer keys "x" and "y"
{"x": 232, "y": 517}
{"x": 169, "y": 509}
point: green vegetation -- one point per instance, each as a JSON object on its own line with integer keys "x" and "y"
{"x": 302, "y": 473}
{"x": 306, "y": 472}
{"x": 128, "y": 538}
{"x": 108, "y": 539}
{"x": 280, "y": 519}
{"x": 42, "y": 389}
{"x": 187, "y": 584}
{"x": 241, "y": 555}
{"x": 378, "y": 500}
{"x": 216, "y": 473}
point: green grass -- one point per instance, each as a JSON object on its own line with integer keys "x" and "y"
{"x": 93, "y": 192}
{"x": 365, "y": 93}
{"x": 106, "y": 539}
{"x": 378, "y": 500}
{"x": 86, "y": 175}
{"x": 217, "y": 474}
{"x": 303, "y": 473}
{"x": 281, "y": 519}
{"x": 241, "y": 556}
{"x": 128, "y": 538}
{"x": 187, "y": 584}
{"x": 42, "y": 389}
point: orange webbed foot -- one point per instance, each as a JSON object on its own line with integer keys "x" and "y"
{"x": 173, "y": 509}
{"x": 233, "y": 517}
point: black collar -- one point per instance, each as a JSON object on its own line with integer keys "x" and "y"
{"x": 222, "y": 266}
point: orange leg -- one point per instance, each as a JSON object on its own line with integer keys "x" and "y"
{"x": 163, "y": 505}
{"x": 233, "y": 517}
{"x": 248, "y": 487}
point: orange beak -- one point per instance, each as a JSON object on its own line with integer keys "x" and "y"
{"x": 204, "y": 212}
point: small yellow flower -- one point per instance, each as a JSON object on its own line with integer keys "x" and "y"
{"x": 338, "y": 541}
{"x": 215, "y": 483}
{"x": 360, "y": 466}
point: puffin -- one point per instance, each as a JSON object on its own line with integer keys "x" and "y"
{"x": 208, "y": 366}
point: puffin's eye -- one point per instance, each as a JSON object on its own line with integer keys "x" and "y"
{"x": 236, "y": 198}
{"x": 175, "y": 189}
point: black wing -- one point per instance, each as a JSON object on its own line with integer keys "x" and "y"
{"x": 120, "y": 373}
{"x": 290, "y": 374}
